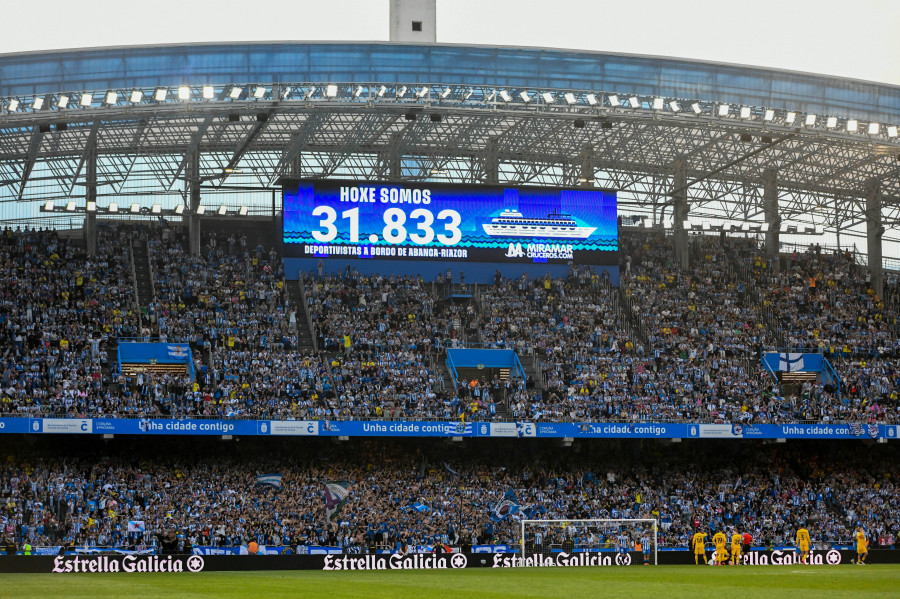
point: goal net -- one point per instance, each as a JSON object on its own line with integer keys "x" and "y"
{"x": 588, "y": 542}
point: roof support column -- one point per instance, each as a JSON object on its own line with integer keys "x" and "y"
{"x": 773, "y": 218}
{"x": 90, "y": 199}
{"x": 874, "y": 231}
{"x": 194, "y": 194}
{"x": 296, "y": 166}
{"x": 395, "y": 159}
{"x": 492, "y": 162}
{"x": 587, "y": 167}
{"x": 680, "y": 210}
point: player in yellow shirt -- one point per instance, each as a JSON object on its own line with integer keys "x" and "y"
{"x": 699, "y": 545}
{"x": 862, "y": 546}
{"x": 803, "y": 545}
{"x": 736, "y": 548}
{"x": 719, "y": 540}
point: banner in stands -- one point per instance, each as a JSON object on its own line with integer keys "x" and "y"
{"x": 413, "y": 428}
{"x": 186, "y": 564}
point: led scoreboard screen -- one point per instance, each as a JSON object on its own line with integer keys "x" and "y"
{"x": 449, "y": 223}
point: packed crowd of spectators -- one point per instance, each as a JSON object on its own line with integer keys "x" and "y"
{"x": 58, "y": 311}
{"x": 404, "y": 493}
{"x": 823, "y": 302}
{"x": 669, "y": 344}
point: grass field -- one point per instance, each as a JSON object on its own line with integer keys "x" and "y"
{"x": 660, "y": 581}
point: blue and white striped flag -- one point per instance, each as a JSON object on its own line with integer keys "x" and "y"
{"x": 272, "y": 479}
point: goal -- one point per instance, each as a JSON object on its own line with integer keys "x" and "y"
{"x": 588, "y": 542}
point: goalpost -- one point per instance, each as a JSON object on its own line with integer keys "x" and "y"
{"x": 588, "y": 542}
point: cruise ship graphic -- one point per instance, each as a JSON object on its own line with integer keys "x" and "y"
{"x": 511, "y": 223}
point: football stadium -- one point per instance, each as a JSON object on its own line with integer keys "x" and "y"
{"x": 364, "y": 319}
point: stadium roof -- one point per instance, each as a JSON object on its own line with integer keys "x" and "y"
{"x": 443, "y": 112}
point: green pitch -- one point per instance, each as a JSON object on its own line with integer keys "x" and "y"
{"x": 659, "y": 581}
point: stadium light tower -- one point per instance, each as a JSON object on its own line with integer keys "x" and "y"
{"x": 413, "y": 21}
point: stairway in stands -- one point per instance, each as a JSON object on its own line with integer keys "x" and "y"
{"x": 739, "y": 272}
{"x": 142, "y": 273}
{"x": 305, "y": 339}
{"x": 531, "y": 364}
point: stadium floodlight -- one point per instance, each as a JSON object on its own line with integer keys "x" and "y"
{"x": 658, "y": 103}
{"x": 613, "y": 100}
{"x": 745, "y": 227}
{"x": 696, "y": 108}
{"x": 136, "y": 96}
{"x": 784, "y": 227}
{"x": 91, "y": 206}
{"x": 235, "y": 92}
{"x": 49, "y": 206}
{"x": 468, "y": 93}
{"x": 819, "y": 230}
{"x": 648, "y": 224}
{"x": 504, "y": 95}
{"x": 745, "y": 112}
{"x": 37, "y": 104}
{"x": 381, "y": 91}
{"x": 525, "y": 97}
{"x": 548, "y": 98}
{"x": 310, "y": 91}
{"x": 723, "y": 109}
{"x": 401, "y": 92}
{"x": 86, "y": 99}
{"x": 686, "y": 225}
{"x": 491, "y": 95}
{"x": 13, "y": 105}
{"x": 447, "y": 91}
{"x": 422, "y": 92}
{"x": 259, "y": 92}
{"x": 790, "y": 117}
{"x": 111, "y": 98}
{"x": 243, "y": 211}
{"x": 705, "y": 225}
{"x": 63, "y": 101}
{"x": 831, "y": 122}
{"x": 331, "y": 90}
{"x": 769, "y": 114}
{"x": 113, "y": 207}
{"x": 810, "y": 120}
{"x": 358, "y": 91}
{"x": 591, "y": 99}
{"x": 852, "y": 125}
{"x": 135, "y": 208}
{"x": 70, "y": 207}
{"x": 634, "y": 102}
{"x": 892, "y": 130}
{"x": 156, "y": 209}
{"x": 570, "y": 98}
{"x": 222, "y": 210}
{"x": 208, "y": 92}
{"x": 201, "y": 210}
{"x": 179, "y": 209}
{"x": 674, "y": 106}
{"x": 184, "y": 92}
{"x": 160, "y": 94}
{"x": 874, "y": 128}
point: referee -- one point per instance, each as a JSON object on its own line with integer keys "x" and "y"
{"x": 747, "y": 539}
